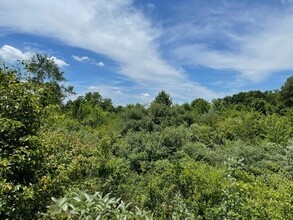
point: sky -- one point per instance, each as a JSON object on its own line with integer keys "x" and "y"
{"x": 129, "y": 50}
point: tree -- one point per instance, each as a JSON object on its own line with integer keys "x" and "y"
{"x": 286, "y": 93}
{"x": 26, "y": 94}
{"x": 163, "y": 98}
{"x": 21, "y": 114}
{"x": 200, "y": 106}
{"x": 42, "y": 70}
{"x": 91, "y": 109}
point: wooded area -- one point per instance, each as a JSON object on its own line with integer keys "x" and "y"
{"x": 231, "y": 158}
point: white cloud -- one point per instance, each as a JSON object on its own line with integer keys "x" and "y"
{"x": 112, "y": 28}
{"x": 101, "y": 64}
{"x": 88, "y": 60}
{"x": 80, "y": 59}
{"x": 11, "y": 54}
{"x": 144, "y": 95}
{"x": 59, "y": 62}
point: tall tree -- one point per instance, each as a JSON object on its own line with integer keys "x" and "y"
{"x": 163, "y": 98}
{"x": 41, "y": 69}
{"x": 286, "y": 93}
{"x": 25, "y": 94}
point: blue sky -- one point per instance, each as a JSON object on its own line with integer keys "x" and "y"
{"x": 129, "y": 50}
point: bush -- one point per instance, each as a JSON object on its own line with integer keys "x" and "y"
{"x": 90, "y": 207}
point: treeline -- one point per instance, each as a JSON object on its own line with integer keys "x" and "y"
{"x": 231, "y": 158}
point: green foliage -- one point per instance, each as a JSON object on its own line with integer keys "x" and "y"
{"x": 163, "y": 98}
{"x": 241, "y": 125}
{"x": 135, "y": 118}
{"x": 142, "y": 148}
{"x": 276, "y": 129}
{"x": 90, "y": 110}
{"x": 200, "y": 106}
{"x": 97, "y": 206}
{"x": 24, "y": 106}
{"x": 42, "y": 70}
{"x": 264, "y": 102}
{"x": 21, "y": 114}
{"x": 229, "y": 159}
{"x": 286, "y": 93}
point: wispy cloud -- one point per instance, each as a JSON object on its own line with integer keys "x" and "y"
{"x": 11, "y": 54}
{"x": 86, "y": 59}
{"x": 131, "y": 40}
{"x": 254, "y": 42}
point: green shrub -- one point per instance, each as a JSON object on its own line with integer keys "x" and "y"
{"x": 96, "y": 206}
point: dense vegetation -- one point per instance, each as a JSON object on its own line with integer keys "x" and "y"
{"x": 228, "y": 159}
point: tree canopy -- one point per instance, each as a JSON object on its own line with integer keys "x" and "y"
{"x": 286, "y": 92}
